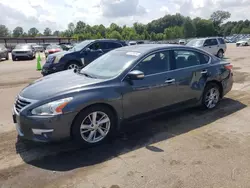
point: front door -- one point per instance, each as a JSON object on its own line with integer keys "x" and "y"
{"x": 95, "y": 52}
{"x": 191, "y": 72}
{"x": 155, "y": 91}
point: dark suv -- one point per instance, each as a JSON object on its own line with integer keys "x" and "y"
{"x": 80, "y": 55}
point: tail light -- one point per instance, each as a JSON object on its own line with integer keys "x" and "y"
{"x": 229, "y": 67}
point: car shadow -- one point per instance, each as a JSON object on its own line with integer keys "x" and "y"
{"x": 67, "y": 156}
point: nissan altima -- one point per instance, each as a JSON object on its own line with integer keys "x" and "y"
{"x": 128, "y": 83}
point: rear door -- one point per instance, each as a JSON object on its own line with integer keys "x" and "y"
{"x": 111, "y": 45}
{"x": 191, "y": 70}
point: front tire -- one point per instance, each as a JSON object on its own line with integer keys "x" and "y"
{"x": 93, "y": 125}
{"x": 211, "y": 96}
{"x": 72, "y": 65}
{"x": 220, "y": 54}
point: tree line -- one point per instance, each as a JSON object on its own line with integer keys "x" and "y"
{"x": 165, "y": 28}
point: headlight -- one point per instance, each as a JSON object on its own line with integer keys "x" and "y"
{"x": 52, "y": 108}
{"x": 58, "y": 57}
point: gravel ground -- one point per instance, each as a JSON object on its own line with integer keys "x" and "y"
{"x": 189, "y": 149}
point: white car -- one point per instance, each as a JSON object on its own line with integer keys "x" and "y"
{"x": 243, "y": 42}
{"x": 213, "y": 45}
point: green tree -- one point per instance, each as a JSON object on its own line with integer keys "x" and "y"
{"x": 139, "y": 28}
{"x": 115, "y": 35}
{"x": 18, "y": 32}
{"x": 173, "y": 32}
{"x": 47, "y": 32}
{"x": 80, "y": 26}
{"x": 56, "y": 33}
{"x": 33, "y": 32}
{"x": 4, "y": 32}
{"x": 219, "y": 16}
{"x": 189, "y": 29}
{"x": 204, "y": 28}
{"x": 71, "y": 29}
{"x": 245, "y": 31}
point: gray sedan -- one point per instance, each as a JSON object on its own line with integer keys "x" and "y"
{"x": 4, "y": 52}
{"x": 128, "y": 83}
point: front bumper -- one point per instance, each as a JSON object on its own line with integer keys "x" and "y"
{"x": 50, "y": 68}
{"x": 43, "y": 129}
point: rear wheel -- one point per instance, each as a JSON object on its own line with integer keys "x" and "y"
{"x": 211, "y": 96}
{"x": 13, "y": 58}
{"x": 93, "y": 125}
{"x": 220, "y": 54}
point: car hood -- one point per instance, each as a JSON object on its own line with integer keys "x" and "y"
{"x": 61, "y": 53}
{"x": 58, "y": 83}
{"x": 21, "y": 50}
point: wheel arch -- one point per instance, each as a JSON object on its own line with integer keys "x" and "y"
{"x": 219, "y": 85}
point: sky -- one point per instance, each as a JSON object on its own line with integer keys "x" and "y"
{"x": 56, "y": 14}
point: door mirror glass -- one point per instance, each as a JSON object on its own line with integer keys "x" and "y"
{"x": 205, "y": 44}
{"x": 135, "y": 75}
{"x": 99, "y": 50}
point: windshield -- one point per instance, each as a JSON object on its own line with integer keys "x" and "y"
{"x": 22, "y": 46}
{"x": 81, "y": 45}
{"x": 196, "y": 42}
{"x": 110, "y": 64}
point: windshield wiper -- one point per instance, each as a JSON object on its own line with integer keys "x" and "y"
{"x": 86, "y": 74}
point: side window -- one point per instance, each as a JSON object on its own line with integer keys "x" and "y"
{"x": 221, "y": 40}
{"x": 95, "y": 46}
{"x": 204, "y": 59}
{"x": 113, "y": 45}
{"x": 185, "y": 58}
{"x": 214, "y": 42}
{"x": 155, "y": 63}
{"x": 207, "y": 42}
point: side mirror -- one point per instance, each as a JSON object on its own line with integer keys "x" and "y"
{"x": 99, "y": 50}
{"x": 205, "y": 45}
{"x": 135, "y": 75}
{"x": 87, "y": 50}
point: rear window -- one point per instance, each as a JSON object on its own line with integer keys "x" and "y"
{"x": 221, "y": 40}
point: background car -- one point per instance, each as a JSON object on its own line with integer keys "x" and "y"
{"x": 23, "y": 51}
{"x": 80, "y": 55}
{"x": 243, "y": 42}
{"x": 90, "y": 105}
{"x": 38, "y": 48}
{"x": 53, "y": 48}
{"x": 66, "y": 47}
{"x": 4, "y": 52}
{"x": 213, "y": 45}
{"x": 44, "y": 45}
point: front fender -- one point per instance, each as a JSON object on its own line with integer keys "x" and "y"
{"x": 106, "y": 96}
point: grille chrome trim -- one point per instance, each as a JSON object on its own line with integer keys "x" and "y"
{"x": 21, "y": 103}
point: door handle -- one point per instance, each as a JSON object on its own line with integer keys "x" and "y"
{"x": 170, "y": 80}
{"x": 204, "y": 72}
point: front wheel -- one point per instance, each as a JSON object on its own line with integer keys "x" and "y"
{"x": 93, "y": 125}
{"x": 211, "y": 96}
{"x": 220, "y": 54}
{"x": 72, "y": 65}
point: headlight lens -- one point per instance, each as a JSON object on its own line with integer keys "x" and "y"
{"x": 58, "y": 57}
{"x": 52, "y": 108}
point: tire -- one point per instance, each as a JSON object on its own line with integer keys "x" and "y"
{"x": 72, "y": 65}
{"x": 220, "y": 54}
{"x": 207, "y": 102}
{"x": 13, "y": 58}
{"x": 7, "y": 56}
{"x": 107, "y": 129}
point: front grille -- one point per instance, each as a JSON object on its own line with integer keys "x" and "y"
{"x": 22, "y": 52}
{"x": 20, "y": 104}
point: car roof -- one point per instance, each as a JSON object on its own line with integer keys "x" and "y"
{"x": 145, "y": 48}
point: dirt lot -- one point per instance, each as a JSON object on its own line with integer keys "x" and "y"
{"x": 189, "y": 149}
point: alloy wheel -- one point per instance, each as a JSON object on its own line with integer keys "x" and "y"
{"x": 212, "y": 98}
{"x": 95, "y": 127}
{"x": 73, "y": 66}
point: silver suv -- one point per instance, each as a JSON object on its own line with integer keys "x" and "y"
{"x": 213, "y": 45}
